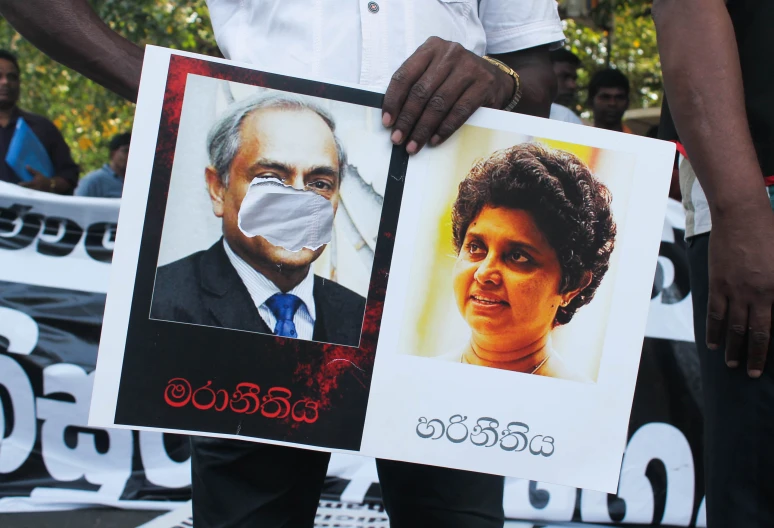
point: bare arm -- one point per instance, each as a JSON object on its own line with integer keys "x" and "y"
{"x": 70, "y": 32}
{"x": 703, "y": 82}
{"x": 538, "y": 82}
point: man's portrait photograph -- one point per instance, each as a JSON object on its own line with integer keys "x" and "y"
{"x": 272, "y": 213}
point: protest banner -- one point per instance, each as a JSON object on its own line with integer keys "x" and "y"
{"x": 55, "y": 255}
{"x": 554, "y": 235}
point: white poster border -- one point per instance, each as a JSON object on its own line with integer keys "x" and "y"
{"x": 595, "y": 439}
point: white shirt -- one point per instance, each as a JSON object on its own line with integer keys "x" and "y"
{"x": 261, "y": 288}
{"x": 562, "y": 113}
{"x": 345, "y": 41}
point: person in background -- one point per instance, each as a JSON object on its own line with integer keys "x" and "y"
{"x": 65, "y": 175}
{"x": 108, "y": 180}
{"x": 609, "y": 99}
{"x": 719, "y": 80}
{"x": 565, "y": 64}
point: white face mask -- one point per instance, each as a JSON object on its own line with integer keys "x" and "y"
{"x": 284, "y": 216}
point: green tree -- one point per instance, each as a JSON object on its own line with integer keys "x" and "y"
{"x": 87, "y": 114}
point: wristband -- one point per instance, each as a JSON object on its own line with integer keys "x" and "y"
{"x": 516, "y": 97}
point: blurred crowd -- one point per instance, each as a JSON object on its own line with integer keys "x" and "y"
{"x": 66, "y": 178}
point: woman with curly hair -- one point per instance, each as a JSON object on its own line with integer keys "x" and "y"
{"x": 533, "y": 232}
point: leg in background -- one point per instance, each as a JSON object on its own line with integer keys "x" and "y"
{"x": 249, "y": 485}
{"x": 426, "y": 496}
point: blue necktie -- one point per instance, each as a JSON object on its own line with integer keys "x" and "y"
{"x": 284, "y": 307}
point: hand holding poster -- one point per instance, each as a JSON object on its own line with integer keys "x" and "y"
{"x": 536, "y": 260}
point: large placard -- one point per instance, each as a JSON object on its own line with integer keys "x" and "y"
{"x": 282, "y": 273}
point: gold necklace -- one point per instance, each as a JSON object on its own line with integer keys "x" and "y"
{"x": 462, "y": 360}
{"x": 540, "y": 364}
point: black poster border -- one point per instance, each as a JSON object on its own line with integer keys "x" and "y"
{"x": 212, "y": 380}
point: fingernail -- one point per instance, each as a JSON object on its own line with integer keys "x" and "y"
{"x": 755, "y": 373}
{"x": 712, "y": 346}
{"x": 412, "y": 147}
{"x": 397, "y": 137}
{"x": 386, "y": 119}
{"x": 435, "y": 140}
{"x": 732, "y": 363}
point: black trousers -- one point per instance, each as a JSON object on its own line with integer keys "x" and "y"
{"x": 247, "y": 485}
{"x": 738, "y": 422}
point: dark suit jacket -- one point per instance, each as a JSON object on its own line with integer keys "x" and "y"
{"x": 204, "y": 288}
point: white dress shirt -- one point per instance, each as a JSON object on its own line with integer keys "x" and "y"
{"x": 261, "y": 288}
{"x": 562, "y": 113}
{"x": 365, "y": 41}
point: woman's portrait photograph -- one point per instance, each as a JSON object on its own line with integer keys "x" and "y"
{"x": 524, "y": 237}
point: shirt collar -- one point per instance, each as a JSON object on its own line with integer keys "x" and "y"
{"x": 110, "y": 170}
{"x": 261, "y": 288}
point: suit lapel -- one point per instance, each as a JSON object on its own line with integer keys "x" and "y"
{"x": 226, "y": 297}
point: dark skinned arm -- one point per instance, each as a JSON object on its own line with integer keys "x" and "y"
{"x": 703, "y": 82}
{"x": 70, "y": 32}
{"x": 54, "y": 184}
{"x": 438, "y": 88}
{"x": 538, "y": 81}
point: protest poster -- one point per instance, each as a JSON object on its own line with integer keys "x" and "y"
{"x": 390, "y": 357}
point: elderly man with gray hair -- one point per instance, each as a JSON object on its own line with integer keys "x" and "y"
{"x": 271, "y": 157}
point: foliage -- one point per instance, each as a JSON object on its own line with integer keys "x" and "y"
{"x": 634, "y": 51}
{"x": 87, "y": 114}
